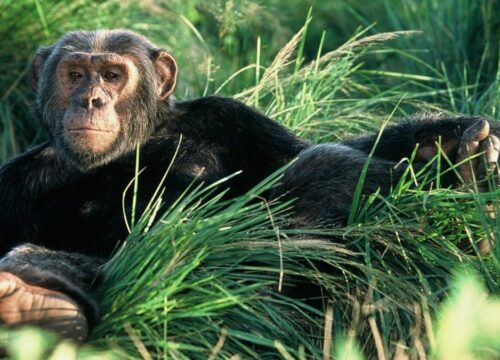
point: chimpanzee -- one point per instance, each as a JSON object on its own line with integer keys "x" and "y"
{"x": 103, "y": 94}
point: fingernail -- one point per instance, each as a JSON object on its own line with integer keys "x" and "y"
{"x": 479, "y": 124}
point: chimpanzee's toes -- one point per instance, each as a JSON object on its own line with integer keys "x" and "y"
{"x": 23, "y": 304}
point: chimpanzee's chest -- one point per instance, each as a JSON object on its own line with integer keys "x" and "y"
{"x": 44, "y": 202}
{"x": 92, "y": 213}
{"x": 87, "y": 215}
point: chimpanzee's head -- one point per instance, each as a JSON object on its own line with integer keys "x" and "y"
{"x": 99, "y": 93}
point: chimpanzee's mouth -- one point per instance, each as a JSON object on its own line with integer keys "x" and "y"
{"x": 89, "y": 129}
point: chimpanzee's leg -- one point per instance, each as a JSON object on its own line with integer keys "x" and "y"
{"x": 49, "y": 288}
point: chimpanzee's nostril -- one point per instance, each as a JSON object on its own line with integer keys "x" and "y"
{"x": 96, "y": 103}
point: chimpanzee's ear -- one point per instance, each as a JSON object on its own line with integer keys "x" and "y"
{"x": 166, "y": 70}
{"x": 36, "y": 65}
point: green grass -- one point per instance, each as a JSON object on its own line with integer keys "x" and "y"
{"x": 195, "y": 284}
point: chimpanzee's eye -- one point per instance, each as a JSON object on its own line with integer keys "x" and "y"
{"x": 110, "y": 76}
{"x": 74, "y": 75}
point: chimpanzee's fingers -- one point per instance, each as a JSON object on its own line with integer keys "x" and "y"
{"x": 469, "y": 146}
{"x": 488, "y": 164}
{"x": 477, "y": 131}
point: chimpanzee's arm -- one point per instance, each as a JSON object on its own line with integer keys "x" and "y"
{"x": 399, "y": 141}
{"x": 252, "y": 139}
{"x": 458, "y": 137}
{"x": 37, "y": 269}
{"x": 36, "y": 282}
{"x": 324, "y": 179}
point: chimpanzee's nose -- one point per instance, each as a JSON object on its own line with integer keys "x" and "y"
{"x": 93, "y": 99}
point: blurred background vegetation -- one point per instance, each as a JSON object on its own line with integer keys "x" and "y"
{"x": 327, "y": 69}
{"x": 451, "y": 65}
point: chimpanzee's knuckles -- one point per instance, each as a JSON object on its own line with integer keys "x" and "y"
{"x": 492, "y": 151}
{"x": 477, "y": 131}
{"x": 488, "y": 164}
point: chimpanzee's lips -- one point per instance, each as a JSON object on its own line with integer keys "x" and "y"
{"x": 89, "y": 129}
{"x": 89, "y": 138}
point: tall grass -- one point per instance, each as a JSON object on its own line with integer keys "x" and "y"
{"x": 197, "y": 282}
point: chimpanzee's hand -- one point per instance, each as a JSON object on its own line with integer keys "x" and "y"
{"x": 478, "y": 139}
{"x": 23, "y": 304}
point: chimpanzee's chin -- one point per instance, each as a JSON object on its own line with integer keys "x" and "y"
{"x": 89, "y": 160}
{"x": 82, "y": 160}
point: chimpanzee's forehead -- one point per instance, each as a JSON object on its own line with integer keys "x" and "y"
{"x": 90, "y": 59}
{"x": 105, "y": 41}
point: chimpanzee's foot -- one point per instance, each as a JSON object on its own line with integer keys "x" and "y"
{"x": 23, "y": 304}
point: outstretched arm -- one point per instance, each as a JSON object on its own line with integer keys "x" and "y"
{"x": 324, "y": 179}
{"x": 458, "y": 137}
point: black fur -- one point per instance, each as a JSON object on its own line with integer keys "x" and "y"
{"x": 324, "y": 179}
{"x": 54, "y": 198}
{"x": 48, "y": 201}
